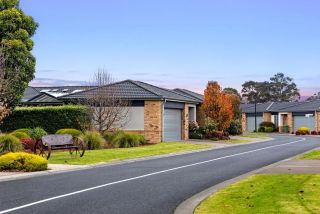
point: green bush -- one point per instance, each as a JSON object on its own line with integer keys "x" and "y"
{"x": 23, "y": 161}
{"x": 25, "y": 130}
{"x": 93, "y": 140}
{"x": 304, "y": 131}
{"x": 9, "y": 143}
{"x": 37, "y": 133}
{"x": 235, "y": 128}
{"x": 269, "y": 129}
{"x": 196, "y": 135}
{"x": 267, "y": 124}
{"x": 126, "y": 140}
{"x": 261, "y": 129}
{"x": 50, "y": 118}
{"x": 73, "y": 132}
{"x": 20, "y": 135}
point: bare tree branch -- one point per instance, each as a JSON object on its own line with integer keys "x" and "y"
{"x": 109, "y": 109}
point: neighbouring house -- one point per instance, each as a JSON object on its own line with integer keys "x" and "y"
{"x": 159, "y": 114}
{"x": 283, "y": 114}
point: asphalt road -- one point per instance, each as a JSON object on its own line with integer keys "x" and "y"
{"x": 150, "y": 186}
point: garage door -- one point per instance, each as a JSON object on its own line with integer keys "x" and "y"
{"x": 172, "y": 125}
{"x": 303, "y": 121}
{"x": 251, "y": 123}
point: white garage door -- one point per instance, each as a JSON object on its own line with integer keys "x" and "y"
{"x": 172, "y": 125}
{"x": 251, "y": 123}
{"x": 303, "y": 121}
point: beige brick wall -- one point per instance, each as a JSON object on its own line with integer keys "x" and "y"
{"x": 153, "y": 121}
{"x": 185, "y": 123}
{"x": 267, "y": 117}
{"x": 317, "y": 121}
{"x": 244, "y": 122}
{"x": 290, "y": 122}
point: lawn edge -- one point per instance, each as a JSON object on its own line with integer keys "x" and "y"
{"x": 189, "y": 205}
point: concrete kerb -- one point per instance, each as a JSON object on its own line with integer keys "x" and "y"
{"x": 188, "y": 206}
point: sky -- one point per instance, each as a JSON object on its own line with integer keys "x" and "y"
{"x": 177, "y": 43}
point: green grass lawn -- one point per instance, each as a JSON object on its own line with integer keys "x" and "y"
{"x": 314, "y": 155}
{"x": 267, "y": 194}
{"x": 109, "y": 155}
{"x": 237, "y": 141}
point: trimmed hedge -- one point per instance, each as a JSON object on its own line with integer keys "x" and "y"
{"x": 50, "y": 118}
{"x": 23, "y": 161}
{"x": 73, "y": 132}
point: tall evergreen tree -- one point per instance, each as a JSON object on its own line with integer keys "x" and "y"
{"x": 16, "y": 30}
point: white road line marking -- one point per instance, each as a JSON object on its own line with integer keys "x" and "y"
{"x": 142, "y": 176}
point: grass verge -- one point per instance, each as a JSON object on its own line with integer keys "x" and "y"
{"x": 109, "y": 155}
{"x": 266, "y": 194}
{"x": 255, "y": 136}
{"x": 313, "y": 155}
{"x": 237, "y": 141}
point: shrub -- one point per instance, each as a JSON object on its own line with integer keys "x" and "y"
{"x": 267, "y": 124}
{"x": 9, "y": 143}
{"x": 28, "y": 143}
{"x": 23, "y": 161}
{"x": 304, "y": 130}
{"x": 126, "y": 140}
{"x": 196, "y": 135}
{"x": 73, "y": 132}
{"x": 314, "y": 133}
{"x": 50, "y": 118}
{"x": 19, "y": 135}
{"x": 298, "y": 133}
{"x": 262, "y": 129}
{"x": 193, "y": 126}
{"x": 210, "y": 125}
{"x": 93, "y": 140}
{"x": 235, "y": 128}
{"x": 269, "y": 129}
{"x": 37, "y": 133}
{"x": 25, "y": 130}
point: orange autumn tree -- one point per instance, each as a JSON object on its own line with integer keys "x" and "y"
{"x": 217, "y": 106}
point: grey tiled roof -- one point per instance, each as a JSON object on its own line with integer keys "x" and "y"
{"x": 134, "y": 90}
{"x": 44, "y": 98}
{"x": 190, "y": 94}
{"x": 282, "y": 107}
{"x": 29, "y": 93}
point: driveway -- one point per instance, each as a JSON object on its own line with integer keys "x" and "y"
{"x": 151, "y": 186}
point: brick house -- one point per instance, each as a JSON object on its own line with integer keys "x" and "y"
{"x": 283, "y": 114}
{"x": 159, "y": 114}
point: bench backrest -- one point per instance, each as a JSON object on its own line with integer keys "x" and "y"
{"x": 57, "y": 139}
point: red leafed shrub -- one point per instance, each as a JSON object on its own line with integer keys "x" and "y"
{"x": 298, "y": 133}
{"x": 28, "y": 143}
{"x": 314, "y": 133}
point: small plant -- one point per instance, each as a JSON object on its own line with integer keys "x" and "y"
{"x": 269, "y": 129}
{"x": 314, "y": 133}
{"x": 23, "y": 161}
{"x": 9, "y": 143}
{"x": 196, "y": 135}
{"x": 262, "y": 129}
{"x": 304, "y": 130}
{"x": 93, "y": 140}
{"x": 126, "y": 140}
{"x": 193, "y": 126}
{"x": 73, "y": 132}
{"x": 235, "y": 128}
{"x": 37, "y": 133}
{"x": 267, "y": 124}
{"x": 19, "y": 135}
{"x": 25, "y": 130}
{"x": 28, "y": 144}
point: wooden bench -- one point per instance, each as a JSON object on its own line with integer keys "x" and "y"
{"x": 48, "y": 143}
